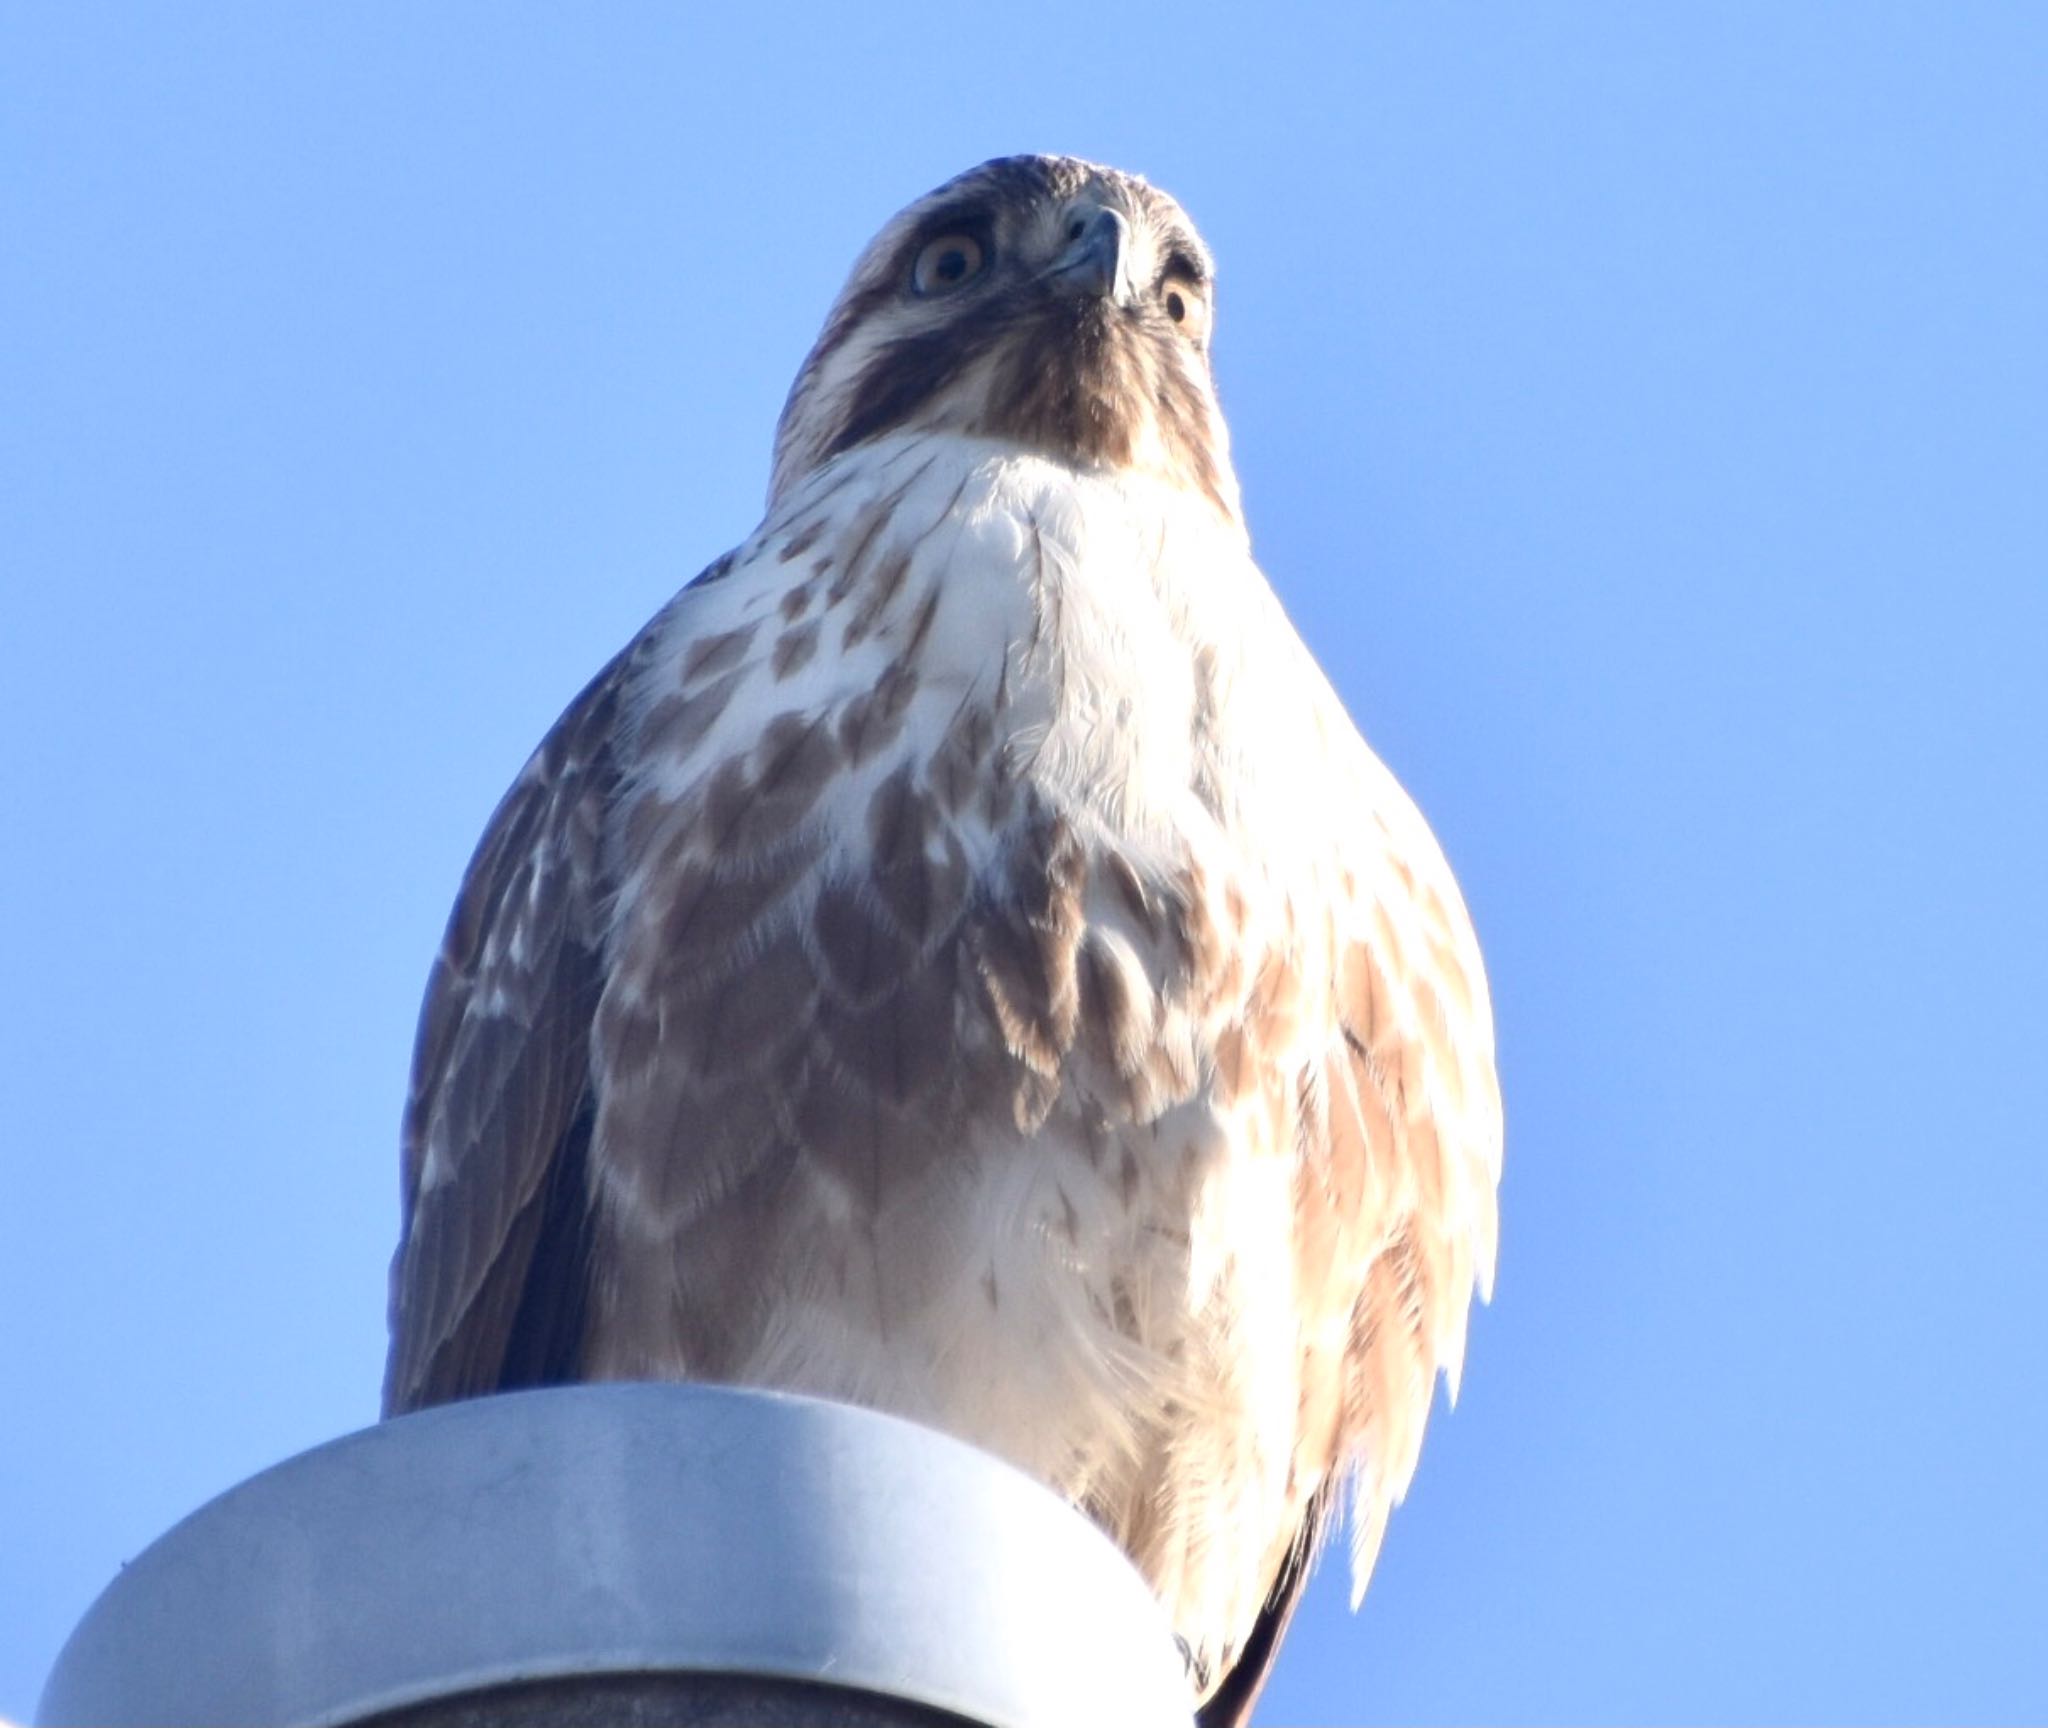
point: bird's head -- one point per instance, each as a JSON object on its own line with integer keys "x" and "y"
{"x": 1053, "y": 303}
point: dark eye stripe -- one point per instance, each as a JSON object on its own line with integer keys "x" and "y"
{"x": 968, "y": 219}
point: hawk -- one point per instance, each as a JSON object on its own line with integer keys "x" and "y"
{"x": 961, "y": 959}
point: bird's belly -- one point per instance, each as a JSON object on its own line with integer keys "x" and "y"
{"x": 1109, "y": 1309}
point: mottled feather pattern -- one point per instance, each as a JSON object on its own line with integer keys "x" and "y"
{"x": 962, "y": 959}
{"x": 501, "y": 1062}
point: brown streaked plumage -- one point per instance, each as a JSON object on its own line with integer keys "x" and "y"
{"x": 960, "y": 958}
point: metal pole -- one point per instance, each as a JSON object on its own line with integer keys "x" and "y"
{"x": 629, "y": 1553}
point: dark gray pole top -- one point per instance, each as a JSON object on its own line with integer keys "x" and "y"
{"x": 560, "y": 1555}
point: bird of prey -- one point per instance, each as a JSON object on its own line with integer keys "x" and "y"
{"x": 960, "y": 958}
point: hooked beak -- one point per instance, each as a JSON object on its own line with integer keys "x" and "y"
{"x": 1094, "y": 264}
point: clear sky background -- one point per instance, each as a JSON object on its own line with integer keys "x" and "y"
{"x": 1643, "y": 412}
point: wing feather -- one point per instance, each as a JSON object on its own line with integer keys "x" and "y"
{"x": 1410, "y": 1138}
{"x": 486, "y": 1283}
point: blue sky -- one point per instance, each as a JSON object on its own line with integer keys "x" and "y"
{"x": 1643, "y": 412}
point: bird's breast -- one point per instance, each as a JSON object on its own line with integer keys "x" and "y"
{"x": 1111, "y": 630}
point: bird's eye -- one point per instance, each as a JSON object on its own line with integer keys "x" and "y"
{"x": 1188, "y": 306}
{"x": 951, "y": 261}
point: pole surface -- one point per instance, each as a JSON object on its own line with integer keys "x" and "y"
{"x": 653, "y": 1554}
